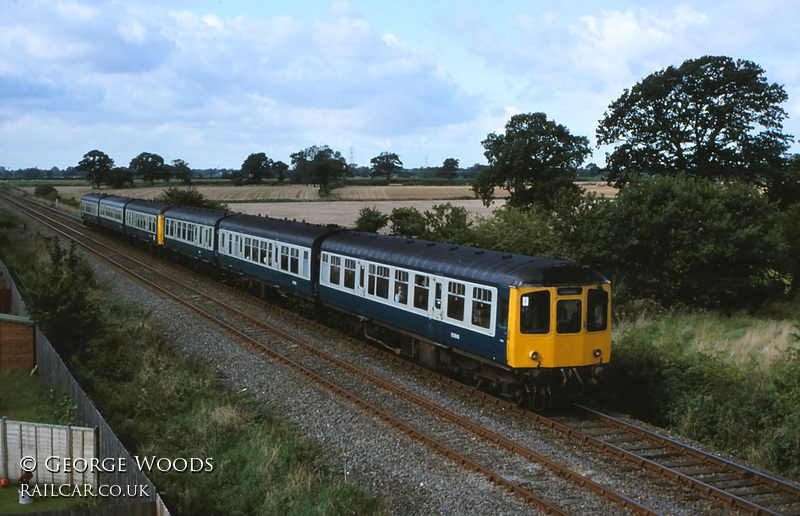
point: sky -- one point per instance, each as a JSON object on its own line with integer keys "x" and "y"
{"x": 212, "y": 81}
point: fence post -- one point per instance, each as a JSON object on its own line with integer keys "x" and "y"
{"x": 5, "y": 449}
{"x": 97, "y": 453}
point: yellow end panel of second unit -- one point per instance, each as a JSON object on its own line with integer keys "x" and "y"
{"x": 548, "y": 329}
{"x": 160, "y": 229}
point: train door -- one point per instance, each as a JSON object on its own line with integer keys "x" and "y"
{"x": 438, "y": 285}
{"x": 361, "y": 280}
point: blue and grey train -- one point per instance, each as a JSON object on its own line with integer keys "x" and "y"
{"x": 518, "y": 325}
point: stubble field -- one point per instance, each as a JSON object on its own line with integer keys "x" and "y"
{"x": 297, "y": 202}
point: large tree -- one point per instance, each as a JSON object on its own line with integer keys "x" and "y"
{"x": 97, "y": 166}
{"x": 318, "y": 165}
{"x": 256, "y": 167}
{"x": 533, "y": 160}
{"x": 386, "y": 164}
{"x": 711, "y": 117}
{"x": 148, "y": 166}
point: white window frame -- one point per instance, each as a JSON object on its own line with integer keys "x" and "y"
{"x": 471, "y": 291}
{"x": 232, "y": 244}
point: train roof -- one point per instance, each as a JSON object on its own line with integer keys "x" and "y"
{"x": 203, "y": 216}
{"x": 93, "y": 196}
{"x": 468, "y": 263}
{"x": 145, "y": 206}
{"x": 116, "y": 200}
{"x": 300, "y": 233}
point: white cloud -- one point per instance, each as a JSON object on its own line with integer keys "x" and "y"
{"x": 225, "y": 80}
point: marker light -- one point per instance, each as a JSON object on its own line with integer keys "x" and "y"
{"x": 597, "y": 353}
{"x": 534, "y": 356}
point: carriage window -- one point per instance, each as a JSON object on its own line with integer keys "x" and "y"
{"x": 262, "y": 252}
{"x": 534, "y": 316}
{"x": 284, "y": 258}
{"x": 481, "y": 307}
{"x": 401, "y": 287}
{"x": 569, "y": 316}
{"x": 334, "y": 275}
{"x": 379, "y": 281}
{"x": 455, "y": 300}
{"x": 597, "y": 310}
{"x": 421, "y": 286}
{"x": 247, "y": 248}
{"x": 295, "y": 260}
{"x": 349, "y": 273}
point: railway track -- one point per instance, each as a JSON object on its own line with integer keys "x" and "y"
{"x": 783, "y": 501}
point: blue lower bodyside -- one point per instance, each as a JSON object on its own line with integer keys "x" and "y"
{"x": 269, "y": 276}
{"x": 492, "y": 348}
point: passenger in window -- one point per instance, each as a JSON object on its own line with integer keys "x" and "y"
{"x": 479, "y": 314}
{"x": 400, "y": 295}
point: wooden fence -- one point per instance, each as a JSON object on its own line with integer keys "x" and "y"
{"x": 59, "y": 454}
{"x": 54, "y": 374}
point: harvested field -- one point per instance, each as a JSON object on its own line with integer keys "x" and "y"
{"x": 297, "y": 202}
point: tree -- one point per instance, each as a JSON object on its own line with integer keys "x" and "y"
{"x": 119, "y": 177}
{"x": 181, "y": 171}
{"x": 387, "y": 163}
{"x": 256, "y": 167}
{"x": 699, "y": 118}
{"x": 281, "y": 169}
{"x": 533, "y": 160}
{"x": 148, "y": 166}
{"x": 318, "y": 166}
{"x": 783, "y": 187}
{"x": 680, "y": 240}
{"x": 449, "y": 168}
{"x": 97, "y": 166}
{"x": 63, "y": 299}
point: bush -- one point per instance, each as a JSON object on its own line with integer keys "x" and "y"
{"x": 681, "y": 240}
{"x": 44, "y": 190}
{"x": 746, "y": 409}
{"x": 371, "y": 220}
{"x": 514, "y": 230}
{"x": 189, "y": 197}
{"x": 62, "y": 298}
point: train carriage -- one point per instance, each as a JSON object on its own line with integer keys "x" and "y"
{"x": 276, "y": 252}
{"x": 144, "y": 220}
{"x": 523, "y": 313}
{"x": 192, "y": 231}
{"x": 111, "y": 212}
{"x": 90, "y": 207}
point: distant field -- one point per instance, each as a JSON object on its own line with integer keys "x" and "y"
{"x": 341, "y": 207}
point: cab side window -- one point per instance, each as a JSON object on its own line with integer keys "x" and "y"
{"x": 597, "y": 310}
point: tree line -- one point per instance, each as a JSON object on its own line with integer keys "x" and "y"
{"x": 316, "y": 165}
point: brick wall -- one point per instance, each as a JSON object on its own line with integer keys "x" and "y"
{"x": 17, "y": 339}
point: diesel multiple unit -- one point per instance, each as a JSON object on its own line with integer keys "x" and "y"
{"x": 516, "y": 324}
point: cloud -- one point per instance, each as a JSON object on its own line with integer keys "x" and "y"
{"x": 238, "y": 80}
